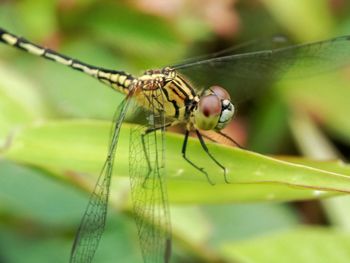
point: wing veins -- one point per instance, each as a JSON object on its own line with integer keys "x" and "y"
{"x": 93, "y": 222}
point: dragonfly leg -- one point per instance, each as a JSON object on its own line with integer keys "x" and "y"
{"x": 145, "y": 133}
{"x": 146, "y": 157}
{"x": 231, "y": 140}
{"x": 226, "y": 137}
{"x": 205, "y": 148}
{"x": 184, "y": 147}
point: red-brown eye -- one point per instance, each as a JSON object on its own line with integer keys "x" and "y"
{"x": 220, "y": 92}
{"x": 214, "y": 110}
{"x": 210, "y": 106}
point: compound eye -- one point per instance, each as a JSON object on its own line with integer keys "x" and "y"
{"x": 208, "y": 112}
{"x": 220, "y": 92}
{"x": 210, "y": 106}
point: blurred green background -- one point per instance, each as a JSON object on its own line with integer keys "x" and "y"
{"x": 54, "y": 125}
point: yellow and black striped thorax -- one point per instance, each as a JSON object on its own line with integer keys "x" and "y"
{"x": 166, "y": 90}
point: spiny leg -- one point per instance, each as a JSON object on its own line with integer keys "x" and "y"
{"x": 183, "y": 151}
{"x": 205, "y": 148}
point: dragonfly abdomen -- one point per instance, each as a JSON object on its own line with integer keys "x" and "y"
{"x": 118, "y": 80}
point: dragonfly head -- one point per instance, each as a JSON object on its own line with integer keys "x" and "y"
{"x": 214, "y": 110}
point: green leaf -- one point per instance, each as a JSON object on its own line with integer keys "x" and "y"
{"x": 302, "y": 245}
{"x": 61, "y": 205}
{"x": 70, "y": 147}
{"x": 236, "y": 222}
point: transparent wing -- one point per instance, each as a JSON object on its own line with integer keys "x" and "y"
{"x": 245, "y": 74}
{"x": 148, "y": 187}
{"x": 93, "y": 222}
{"x": 259, "y": 44}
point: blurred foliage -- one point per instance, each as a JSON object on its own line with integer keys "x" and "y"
{"x": 54, "y": 126}
{"x": 305, "y": 244}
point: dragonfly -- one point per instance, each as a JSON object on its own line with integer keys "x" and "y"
{"x": 189, "y": 94}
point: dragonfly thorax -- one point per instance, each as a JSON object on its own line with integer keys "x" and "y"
{"x": 214, "y": 109}
{"x": 166, "y": 74}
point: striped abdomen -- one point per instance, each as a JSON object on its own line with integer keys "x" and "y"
{"x": 118, "y": 80}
